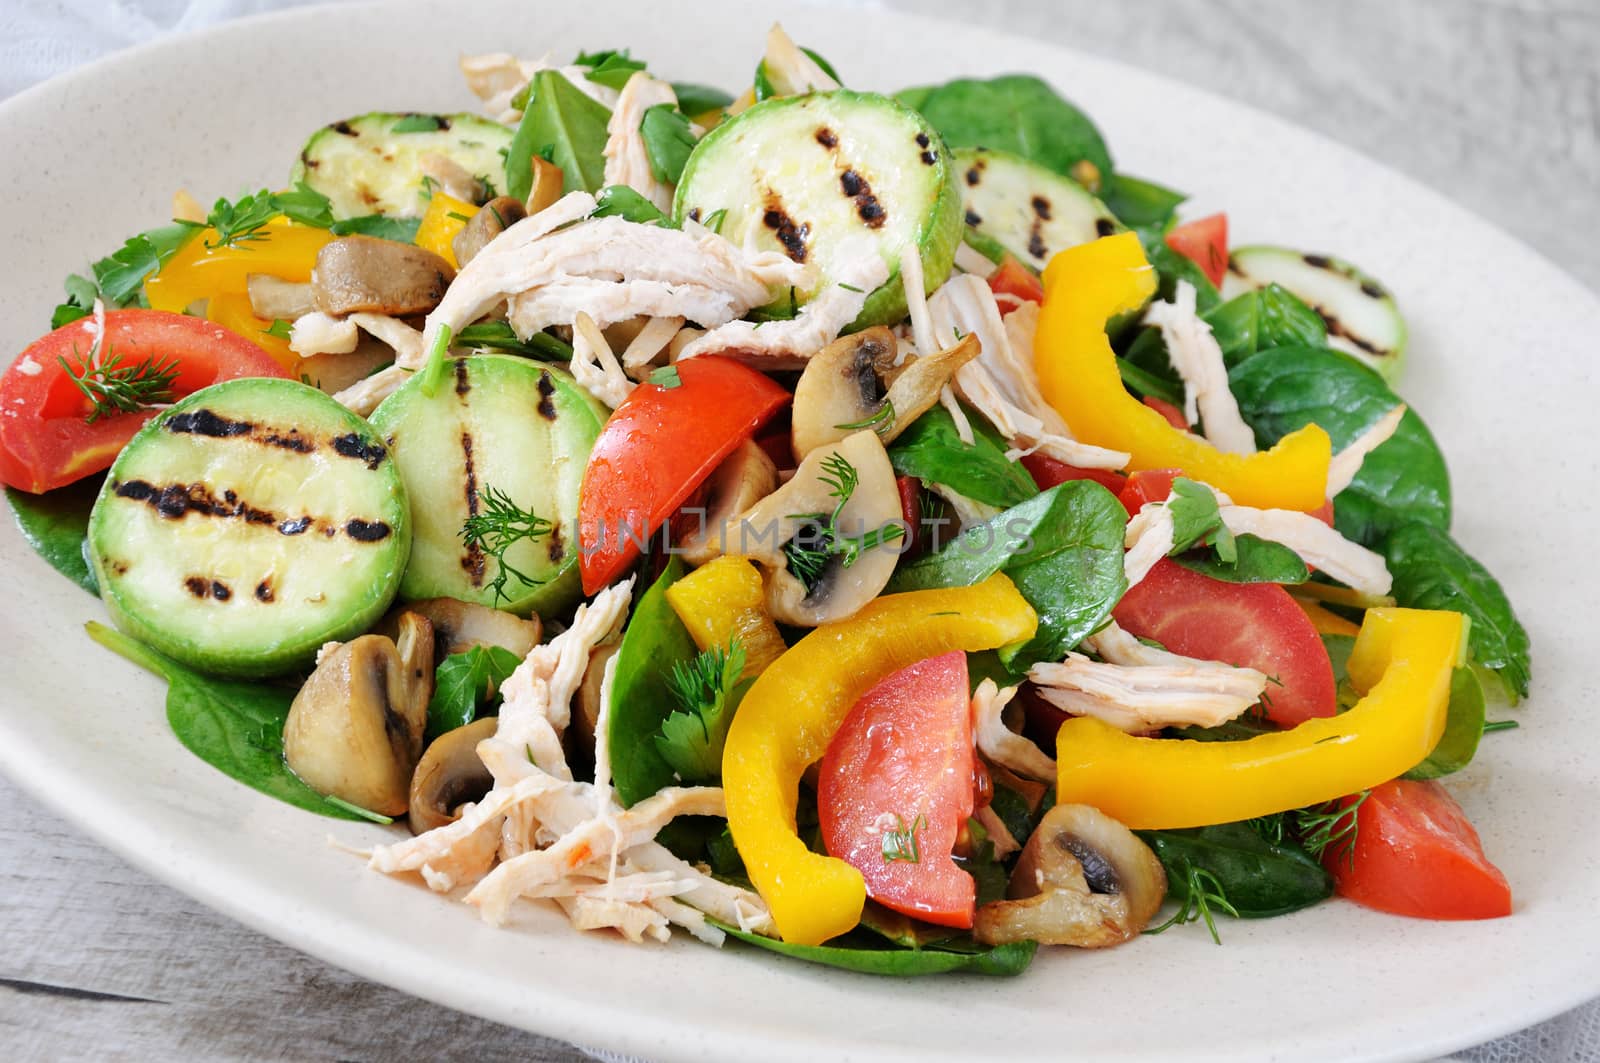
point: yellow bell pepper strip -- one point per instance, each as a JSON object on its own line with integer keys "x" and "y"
{"x": 791, "y": 713}
{"x": 1326, "y": 621}
{"x": 233, "y": 312}
{"x": 1084, "y": 287}
{"x": 723, "y": 600}
{"x": 445, "y": 217}
{"x": 282, "y": 249}
{"x": 1402, "y": 663}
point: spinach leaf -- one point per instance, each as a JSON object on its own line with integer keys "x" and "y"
{"x": 1260, "y": 878}
{"x": 1197, "y": 521}
{"x": 1017, "y": 113}
{"x": 1172, "y": 267}
{"x": 931, "y": 450}
{"x": 1160, "y": 385}
{"x": 989, "y": 875}
{"x": 1241, "y": 729}
{"x": 1255, "y": 321}
{"x": 56, "y": 525}
{"x": 611, "y": 68}
{"x": 120, "y": 275}
{"x": 939, "y": 958}
{"x": 382, "y": 226}
{"x": 81, "y": 294}
{"x": 499, "y": 335}
{"x": 1432, "y": 572}
{"x": 462, "y": 682}
{"x": 1256, "y": 561}
{"x": 623, "y": 202}
{"x": 236, "y": 727}
{"x": 1403, "y": 481}
{"x": 564, "y": 126}
{"x": 696, "y": 99}
{"x": 667, "y": 141}
{"x": 641, "y": 693}
{"x": 1462, "y": 729}
{"x": 1140, "y": 204}
{"x": 1063, "y": 550}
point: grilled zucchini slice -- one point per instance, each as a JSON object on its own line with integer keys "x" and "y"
{"x": 1029, "y": 210}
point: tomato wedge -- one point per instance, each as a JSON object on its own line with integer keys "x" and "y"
{"x": 1013, "y": 278}
{"x": 1047, "y": 472}
{"x": 1416, "y": 854}
{"x": 656, "y": 449}
{"x": 897, "y": 785}
{"x": 1166, "y": 409}
{"x": 1204, "y": 241}
{"x": 1147, "y": 485}
{"x": 45, "y": 438}
{"x": 1254, "y": 625}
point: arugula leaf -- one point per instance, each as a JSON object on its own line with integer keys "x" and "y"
{"x": 696, "y": 99}
{"x": 625, "y": 203}
{"x": 1403, "y": 481}
{"x": 1063, "y": 550}
{"x": 1260, "y": 878}
{"x": 1256, "y": 560}
{"x": 1197, "y": 521}
{"x": 708, "y": 690}
{"x": 499, "y": 336}
{"x": 930, "y": 449}
{"x": 81, "y": 294}
{"x": 611, "y": 67}
{"x": 562, "y": 125}
{"x": 1140, "y": 204}
{"x": 236, "y": 727}
{"x": 417, "y": 123}
{"x": 1017, "y": 113}
{"x": 939, "y": 958}
{"x": 382, "y": 226}
{"x": 667, "y": 141}
{"x": 120, "y": 275}
{"x": 462, "y": 683}
{"x": 1431, "y": 572}
{"x": 56, "y": 525}
{"x": 641, "y": 698}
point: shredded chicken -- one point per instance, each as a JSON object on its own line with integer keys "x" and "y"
{"x": 1197, "y": 357}
{"x": 789, "y": 344}
{"x": 319, "y": 333}
{"x": 790, "y": 70}
{"x": 406, "y": 341}
{"x": 1139, "y": 688}
{"x": 497, "y": 77}
{"x": 1345, "y": 464}
{"x": 594, "y": 366}
{"x": 627, "y": 160}
{"x": 540, "y": 834}
{"x": 1000, "y": 835}
{"x": 999, "y": 743}
{"x": 970, "y": 261}
{"x": 1148, "y": 538}
{"x": 364, "y": 395}
{"x": 648, "y": 343}
{"x": 1001, "y": 383}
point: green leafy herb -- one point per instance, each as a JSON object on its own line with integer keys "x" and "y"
{"x": 1463, "y": 728}
{"x": 930, "y": 449}
{"x": 1197, "y": 521}
{"x": 1017, "y": 113}
{"x": 463, "y": 682}
{"x": 668, "y": 141}
{"x": 1500, "y": 725}
{"x": 666, "y": 377}
{"x": 900, "y": 844}
{"x": 305, "y": 205}
{"x": 1138, "y": 203}
{"x": 988, "y": 873}
{"x": 625, "y": 203}
{"x": 1256, "y": 560}
{"x": 433, "y": 370}
{"x": 1143, "y": 381}
{"x": 381, "y": 226}
{"x": 81, "y": 294}
{"x": 240, "y": 222}
{"x": 279, "y": 328}
{"x": 563, "y": 125}
{"x": 236, "y": 727}
{"x": 939, "y": 958}
{"x": 611, "y": 67}
{"x": 808, "y": 552}
{"x": 1330, "y": 829}
{"x": 1432, "y": 572}
{"x": 707, "y": 692}
{"x": 113, "y": 385}
{"x": 495, "y": 529}
{"x": 715, "y": 219}
{"x": 500, "y": 336}
{"x": 654, "y": 641}
{"x": 417, "y": 123}
{"x": 1262, "y": 871}
{"x": 121, "y": 274}
{"x": 56, "y": 525}
{"x": 1199, "y": 890}
{"x": 881, "y": 421}
{"x": 696, "y": 99}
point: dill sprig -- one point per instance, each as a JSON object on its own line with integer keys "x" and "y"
{"x": 808, "y": 552}
{"x": 900, "y": 844}
{"x": 495, "y": 529}
{"x": 113, "y": 385}
{"x": 701, "y": 680}
{"x": 881, "y": 421}
{"x": 1331, "y": 827}
{"x": 1202, "y": 891}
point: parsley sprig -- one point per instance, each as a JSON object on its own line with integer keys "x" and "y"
{"x": 707, "y": 689}
{"x": 495, "y": 529}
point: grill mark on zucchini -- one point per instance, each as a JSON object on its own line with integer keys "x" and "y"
{"x": 463, "y": 383}
{"x": 973, "y": 219}
{"x": 929, "y": 157}
{"x": 555, "y": 549}
{"x": 1104, "y": 226}
{"x": 547, "y": 390}
{"x": 790, "y": 234}
{"x": 354, "y": 446}
{"x": 366, "y": 531}
{"x": 264, "y": 592}
{"x": 208, "y": 423}
{"x": 827, "y": 138}
{"x": 176, "y": 501}
{"x": 858, "y": 188}
{"x": 203, "y": 588}
{"x": 472, "y": 559}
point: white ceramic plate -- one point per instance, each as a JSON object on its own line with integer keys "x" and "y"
{"x": 1498, "y": 368}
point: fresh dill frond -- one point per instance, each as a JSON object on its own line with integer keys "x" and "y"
{"x": 881, "y": 421}
{"x": 499, "y": 525}
{"x": 1331, "y": 827}
{"x": 113, "y": 385}
{"x": 706, "y": 690}
{"x": 808, "y": 552}
{"x": 900, "y": 844}
{"x": 1202, "y": 892}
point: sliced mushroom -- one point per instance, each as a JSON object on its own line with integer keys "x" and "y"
{"x": 333, "y": 373}
{"x": 796, "y": 512}
{"x": 275, "y": 299}
{"x": 364, "y": 273}
{"x": 449, "y": 775}
{"x": 497, "y": 215}
{"x": 1083, "y": 879}
{"x": 548, "y": 182}
{"x": 355, "y": 729}
{"x": 458, "y": 626}
{"x": 579, "y": 738}
{"x": 744, "y": 478}
{"x": 853, "y": 383}
{"x": 453, "y": 179}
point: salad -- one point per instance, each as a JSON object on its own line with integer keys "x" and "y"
{"x": 870, "y": 526}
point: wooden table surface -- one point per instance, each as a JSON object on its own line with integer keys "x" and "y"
{"x": 1496, "y": 103}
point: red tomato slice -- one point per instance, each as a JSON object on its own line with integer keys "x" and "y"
{"x": 1047, "y": 472}
{"x": 910, "y": 489}
{"x": 1254, "y": 625}
{"x": 45, "y": 441}
{"x": 1166, "y": 409}
{"x": 657, "y": 448}
{"x": 1147, "y": 485}
{"x": 1204, "y": 241}
{"x": 902, "y": 762}
{"x": 1416, "y": 854}
{"x": 1013, "y": 278}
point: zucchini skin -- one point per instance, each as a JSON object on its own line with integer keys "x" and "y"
{"x": 273, "y": 569}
